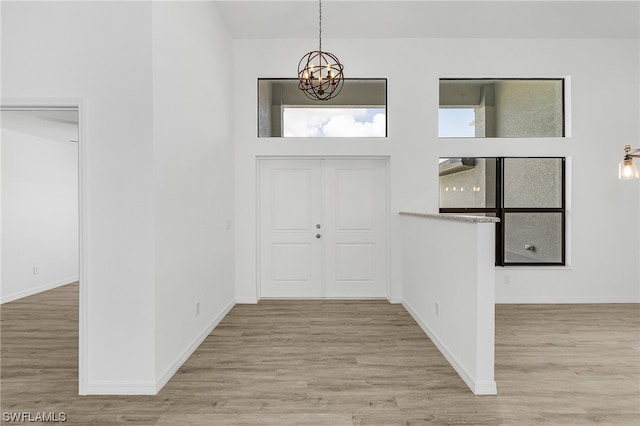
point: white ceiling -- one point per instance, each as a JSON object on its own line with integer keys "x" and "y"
{"x": 288, "y": 19}
{"x": 59, "y": 124}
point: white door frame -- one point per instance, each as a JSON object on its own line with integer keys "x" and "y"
{"x": 80, "y": 105}
{"x": 260, "y": 158}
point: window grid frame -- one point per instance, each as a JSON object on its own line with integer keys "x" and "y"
{"x": 500, "y": 212}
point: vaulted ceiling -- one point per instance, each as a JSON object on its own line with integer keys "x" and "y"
{"x": 288, "y": 19}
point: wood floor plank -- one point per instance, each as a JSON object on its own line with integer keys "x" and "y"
{"x": 340, "y": 363}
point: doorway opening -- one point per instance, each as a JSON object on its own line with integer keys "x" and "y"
{"x": 41, "y": 214}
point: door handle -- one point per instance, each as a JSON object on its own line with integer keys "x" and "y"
{"x": 318, "y": 235}
{"x": 318, "y": 226}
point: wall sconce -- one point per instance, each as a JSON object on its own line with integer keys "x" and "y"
{"x": 627, "y": 168}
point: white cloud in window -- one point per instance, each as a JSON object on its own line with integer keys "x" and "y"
{"x": 334, "y": 122}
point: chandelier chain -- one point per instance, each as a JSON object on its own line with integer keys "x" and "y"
{"x": 320, "y": 25}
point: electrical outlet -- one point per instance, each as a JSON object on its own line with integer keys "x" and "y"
{"x": 197, "y": 308}
{"x": 437, "y": 309}
{"x": 36, "y": 270}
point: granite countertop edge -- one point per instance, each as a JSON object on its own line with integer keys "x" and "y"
{"x": 454, "y": 217}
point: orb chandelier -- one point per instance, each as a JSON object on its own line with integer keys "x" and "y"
{"x": 320, "y": 73}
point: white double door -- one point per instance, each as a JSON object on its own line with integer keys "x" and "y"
{"x": 323, "y": 228}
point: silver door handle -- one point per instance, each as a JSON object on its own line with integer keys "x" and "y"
{"x": 318, "y": 235}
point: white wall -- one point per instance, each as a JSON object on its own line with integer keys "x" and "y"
{"x": 156, "y": 172}
{"x": 39, "y": 214}
{"x": 602, "y": 117}
{"x": 449, "y": 290}
{"x": 193, "y": 182}
{"x": 100, "y": 53}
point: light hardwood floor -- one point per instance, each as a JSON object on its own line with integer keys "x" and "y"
{"x": 340, "y": 363}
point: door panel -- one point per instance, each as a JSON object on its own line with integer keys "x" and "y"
{"x": 291, "y": 192}
{"x": 354, "y": 192}
{"x": 355, "y": 219}
{"x": 347, "y": 199}
{"x": 290, "y": 207}
{"x": 355, "y": 262}
{"x": 291, "y": 262}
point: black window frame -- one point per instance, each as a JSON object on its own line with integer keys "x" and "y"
{"x": 501, "y": 211}
{"x": 563, "y": 100}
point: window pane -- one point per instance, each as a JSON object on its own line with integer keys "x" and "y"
{"x": 456, "y": 122}
{"x": 359, "y": 111}
{"x": 506, "y": 108}
{"x": 467, "y": 182}
{"x": 533, "y": 238}
{"x": 334, "y": 122}
{"x": 533, "y": 182}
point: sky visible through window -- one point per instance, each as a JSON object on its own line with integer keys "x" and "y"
{"x": 335, "y": 122}
{"x": 456, "y": 123}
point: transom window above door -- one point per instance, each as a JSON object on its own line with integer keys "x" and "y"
{"x": 359, "y": 112}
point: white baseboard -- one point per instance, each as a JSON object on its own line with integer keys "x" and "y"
{"x": 182, "y": 358}
{"x": 246, "y": 300}
{"x": 36, "y": 290}
{"x": 563, "y": 300}
{"x": 478, "y": 387}
{"x": 485, "y": 387}
{"x": 108, "y": 387}
{"x": 395, "y": 299}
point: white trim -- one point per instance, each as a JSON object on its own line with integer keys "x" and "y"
{"x": 324, "y": 298}
{"x": 36, "y": 290}
{"x": 247, "y": 300}
{"x": 564, "y": 300}
{"x": 485, "y": 387}
{"x": 478, "y": 387}
{"x": 189, "y": 350}
{"x": 258, "y": 262}
{"x": 115, "y": 387}
{"x": 83, "y": 239}
{"x": 387, "y": 237}
{"x": 508, "y": 268}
